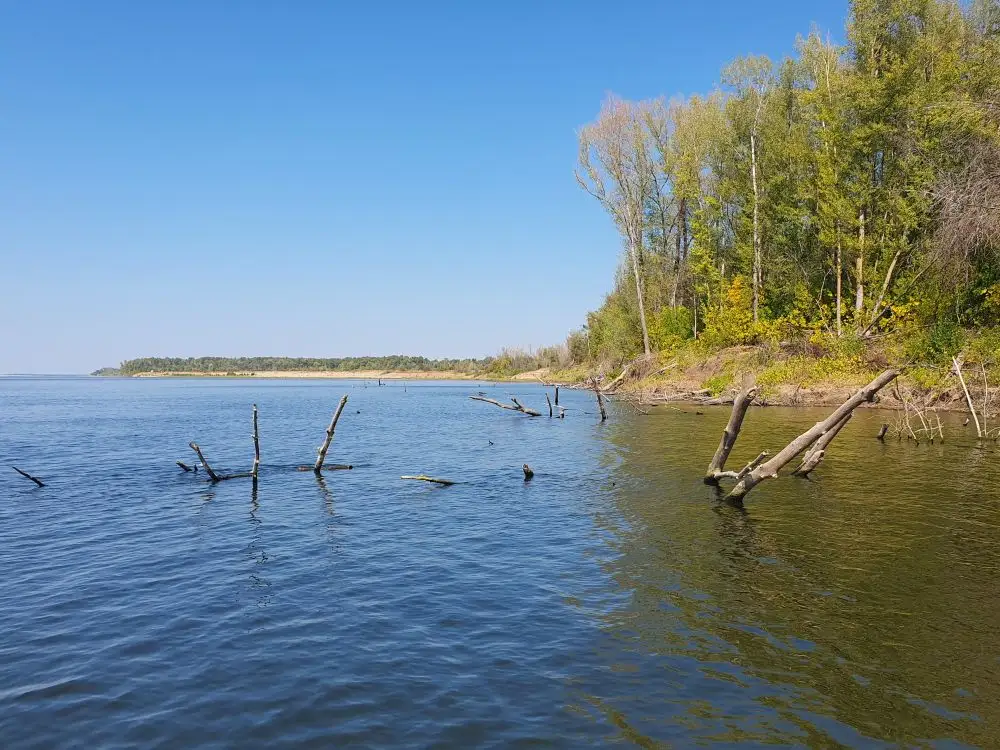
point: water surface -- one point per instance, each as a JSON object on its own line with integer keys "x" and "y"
{"x": 610, "y": 601}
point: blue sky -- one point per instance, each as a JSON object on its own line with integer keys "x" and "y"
{"x": 199, "y": 177}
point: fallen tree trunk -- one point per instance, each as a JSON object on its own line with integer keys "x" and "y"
{"x": 425, "y": 478}
{"x": 212, "y": 475}
{"x": 318, "y": 467}
{"x": 600, "y": 399}
{"x": 549, "y": 402}
{"x": 716, "y": 469}
{"x": 815, "y": 454}
{"x": 771, "y": 468}
{"x": 26, "y": 475}
{"x": 517, "y": 405}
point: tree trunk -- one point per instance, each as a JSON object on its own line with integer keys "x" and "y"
{"x": 638, "y": 293}
{"x": 729, "y": 435}
{"x": 859, "y": 269}
{"x": 318, "y": 467}
{"x": 771, "y": 468}
{"x": 840, "y": 273}
{"x": 756, "y": 225}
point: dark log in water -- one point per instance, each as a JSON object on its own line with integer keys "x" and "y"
{"x": 425, "y": 478}
{"x": 26, "y": 475}
{"x": 212, "y": 475}
{"x": 549, "y": 402}
{"x": 256, "y": 445}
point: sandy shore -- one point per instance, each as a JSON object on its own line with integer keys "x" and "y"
{"x": 335, "y": 374}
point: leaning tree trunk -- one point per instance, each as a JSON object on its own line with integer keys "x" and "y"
{"x": 770, "y": 469}
{"x": 716, "y": 469}
{"x": 638, "y": 294}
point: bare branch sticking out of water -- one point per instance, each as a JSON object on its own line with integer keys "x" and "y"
{"x": 26, "y": 475}
{"x": 716, "y": 469}
{"x": 517, "y": 405}
{"x": 770, "y": 469}
{"x": 318, "y": 468}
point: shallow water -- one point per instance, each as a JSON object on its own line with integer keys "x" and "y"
{"x": 611, "y": 600}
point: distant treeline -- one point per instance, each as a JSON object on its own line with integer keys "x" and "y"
{"x": 269, "y": 364}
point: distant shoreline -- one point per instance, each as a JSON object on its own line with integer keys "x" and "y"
{"x": 329, "y": 375}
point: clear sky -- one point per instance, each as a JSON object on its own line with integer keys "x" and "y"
{"x": 199, "y": 177}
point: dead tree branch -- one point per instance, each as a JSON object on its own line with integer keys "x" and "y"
{"x": 517, "y": 405}
{"x": 26, "y": 475}
{"x": 771, "y": 468}
{"x": 318, "y": 467}
{"x": 716, "y": 469}
{"x": 425, "y": 478}
{"x": 818, "y": 450}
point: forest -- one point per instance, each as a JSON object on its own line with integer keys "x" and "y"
{"x": 244, "y": 365}
{"x": 844, "y": 201}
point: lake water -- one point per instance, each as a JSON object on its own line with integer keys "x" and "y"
{"x": 610, "y": 601}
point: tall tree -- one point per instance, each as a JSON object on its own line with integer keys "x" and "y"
{"x": 616, "y": 168}
{"x": 753, "y": 80}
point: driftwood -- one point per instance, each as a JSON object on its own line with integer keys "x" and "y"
{"x": 815, "y": 454}
{"x": 318, "y": 467}
{"x": 549, "y": 402}
{"x": 557, "y": 395}
{"x": 425, "y": 478}
{"x": 212, "y": 475}
{"x": 517, "y": 405}
{"x": 716, "y": 469}
{"x": 186, "y": 467}
{"x": 881, "y": 433}
{"x": 771, "y": 468}
{"x": 26, "y": 475}
{"x": 528, "y": 473}
{"x": 968, "y": 398}
{"x": 256, "y": 445}
{"x": 600, "y": 398}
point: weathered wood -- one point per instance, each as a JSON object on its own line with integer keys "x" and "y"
{"x": 549, "y": 402}
{"x": 881, "y": 433}
{"x": 318, "y": 467}
{"x": 968, "y": 398}
{"x": 716, "y": 469}
{"x": 600, "y": 398}
{"x": 557, "y": 395}
{"x": 208, "y": 469}
{"x": 425, "y": 478}
{"x": 256, "y": 445}
{"x": 770, "y": 469}
{"x": 816, "y": 453}
{"x": 517, "y": 405}
{"x": 524, "y": 410}
{"x": 212, "y": 475}
{"x": 26, "y": 475}
{"x": 528, "y": 473}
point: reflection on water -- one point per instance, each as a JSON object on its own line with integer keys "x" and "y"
{"x": 861, "y": 605}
